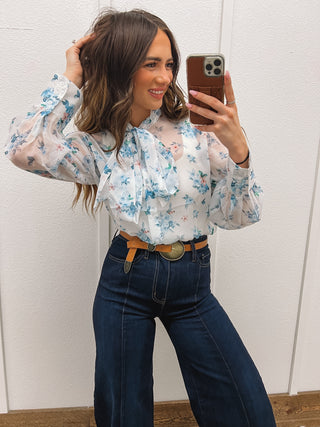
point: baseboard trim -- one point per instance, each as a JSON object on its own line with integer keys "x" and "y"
{"x": 299, "y": 410}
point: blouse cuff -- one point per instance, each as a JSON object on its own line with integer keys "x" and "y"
{"x": 241, "y": 180}
{"x": 236, "y": 173}
{"x": 62, "y": 97}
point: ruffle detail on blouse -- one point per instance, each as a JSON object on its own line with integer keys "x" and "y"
{"x": 144, "y": 177}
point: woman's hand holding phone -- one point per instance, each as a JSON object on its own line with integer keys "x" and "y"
{"x": 226, "y": 124}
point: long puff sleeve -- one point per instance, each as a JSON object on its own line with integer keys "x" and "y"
{"x": 236, "y": 200}
{"x": 37, "y": 143}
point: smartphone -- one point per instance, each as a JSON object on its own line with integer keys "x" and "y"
{"x": 205, "y": 73}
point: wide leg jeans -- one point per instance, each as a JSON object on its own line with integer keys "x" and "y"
{"x": 222, "y": 382}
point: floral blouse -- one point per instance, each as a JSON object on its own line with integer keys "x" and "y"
{"x": 172, "y": 182}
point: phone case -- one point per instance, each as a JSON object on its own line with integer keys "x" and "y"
{"x": 201, "y": 77}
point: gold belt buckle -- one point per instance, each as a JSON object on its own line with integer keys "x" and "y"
{"x": 177, "y": 252}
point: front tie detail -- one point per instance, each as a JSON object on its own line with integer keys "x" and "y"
{"x": 144, "y": 177}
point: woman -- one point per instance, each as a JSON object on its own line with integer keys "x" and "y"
{"x": 166, "y": 184}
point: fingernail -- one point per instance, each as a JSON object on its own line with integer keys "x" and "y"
{"x": 228, "y": 75}
{"x": 193, "y": 92}
{"x": 188, "y": 105}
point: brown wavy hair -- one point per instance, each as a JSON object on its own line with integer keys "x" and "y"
{"x": 109, "y": 61}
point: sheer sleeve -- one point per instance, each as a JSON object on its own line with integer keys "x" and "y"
{"x": 37, "y": 143}
{"x": 236, "y": 199}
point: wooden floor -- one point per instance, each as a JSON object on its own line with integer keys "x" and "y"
{"x": 302, "y": 410}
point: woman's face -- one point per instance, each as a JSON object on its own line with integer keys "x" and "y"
{"x": 152, "y": 79}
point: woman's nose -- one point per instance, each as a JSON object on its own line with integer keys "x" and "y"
{"x": 164, "y": 76}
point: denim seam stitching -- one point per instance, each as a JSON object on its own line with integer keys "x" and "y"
{"x": 226, "y": 364}
{"x": 192, "y": 376}
{"x": 196, "y": 392}
{"x": 122, "y": 404}
{"x": 167, "y": 286}
{"x": 121, "y": 260}
{"x": 155, "y": 279}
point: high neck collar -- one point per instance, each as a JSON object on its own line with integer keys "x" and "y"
{"x": 148, "y": 122}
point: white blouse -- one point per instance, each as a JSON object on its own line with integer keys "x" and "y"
{"x": 172, "y": 183}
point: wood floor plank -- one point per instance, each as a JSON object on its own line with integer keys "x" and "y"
{"x": 302, "y": 405}
{"x": 300, "y": 423}
{"x": 174, "y": 413}
{"x": 302, "y": 410}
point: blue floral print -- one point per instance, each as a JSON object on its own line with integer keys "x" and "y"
{"x": 50, "y": 100}
{"x": 165, "y": 222}
{"x": 188, "y": 200}
{"x": 172, "y": 181}
{"x": 192, "y": 159}
{"x": 199, "y": 181}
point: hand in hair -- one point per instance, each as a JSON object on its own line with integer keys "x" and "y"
{"x": 73, "y": 68}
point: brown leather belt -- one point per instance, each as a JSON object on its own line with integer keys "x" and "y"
{"x": 171, "y": 252}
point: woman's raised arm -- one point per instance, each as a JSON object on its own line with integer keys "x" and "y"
{"x": 36, "y": 140}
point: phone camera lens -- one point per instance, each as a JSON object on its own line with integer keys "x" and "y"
{"x": 217, "y": 62}
{"x": 209, "y": 67}
{"x": 217, "y": 71}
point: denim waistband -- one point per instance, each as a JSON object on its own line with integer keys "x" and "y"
{"x": 195, "y": 240}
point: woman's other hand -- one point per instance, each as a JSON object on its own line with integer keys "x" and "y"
{"x": 226, "y": 124}
{"x": 74, "y": 68}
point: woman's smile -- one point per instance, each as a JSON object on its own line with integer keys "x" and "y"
{"x": 152, "y": 79}
{"x": 157, "y": 93}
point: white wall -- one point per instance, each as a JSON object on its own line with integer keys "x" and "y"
{"x": 276, "y": 67}
{"x": 266, "y": 279}
{"x": 49, "y": 255}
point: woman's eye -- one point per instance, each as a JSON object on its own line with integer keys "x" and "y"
{"x": 169, "y": 65}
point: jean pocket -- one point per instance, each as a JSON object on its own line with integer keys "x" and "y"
{"x": 118, "y": 251}
{"x": 204, "y": 256}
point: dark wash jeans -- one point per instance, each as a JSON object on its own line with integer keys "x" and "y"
{"x": 223, "y": 384}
